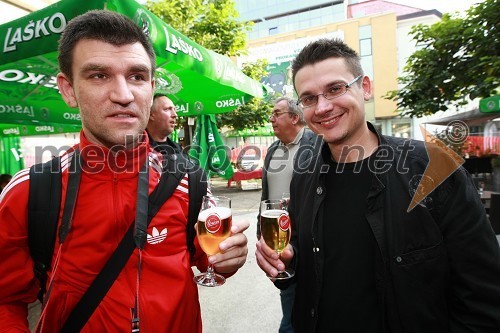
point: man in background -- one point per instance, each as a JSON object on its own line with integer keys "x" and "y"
{"x": 161, "y": 124}
{"x": 279, "y": 166}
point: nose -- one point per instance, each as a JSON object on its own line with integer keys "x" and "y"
{"x": 121, "y": 92}
{"x": 324, "y": 105}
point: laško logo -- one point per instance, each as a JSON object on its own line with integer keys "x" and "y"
{"x": 213, "y": 223}
{"x": 284, "y": 222}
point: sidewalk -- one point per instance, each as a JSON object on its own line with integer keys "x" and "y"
{"x": 248, "y": 302}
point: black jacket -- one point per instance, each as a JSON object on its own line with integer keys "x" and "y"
{"x": 309, "y": 146}
{"x": 166, "y": 148}
{"x": 438, "y": 267}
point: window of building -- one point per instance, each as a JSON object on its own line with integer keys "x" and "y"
{"x": 401, "y": 128}
{"x": 365, "y": 47}
{"x": 365, "y": 31}
{"x": 367, "y": 65}
{"x": 365, "y": 40}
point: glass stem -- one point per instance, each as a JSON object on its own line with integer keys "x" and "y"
{"x": 210, "y": 271}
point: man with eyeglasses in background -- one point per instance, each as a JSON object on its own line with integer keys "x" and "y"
{"x": 366, "y": 258}
{"x": 288, "y": 124}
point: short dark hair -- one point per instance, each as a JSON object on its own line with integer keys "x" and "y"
{"x": 155, "y": 98}
{"x": 156, "y": 95}
{"x": 102, "y": 25}
{"x": 327, "y": 48}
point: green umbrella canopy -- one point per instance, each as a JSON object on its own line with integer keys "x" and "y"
{"x": 209, "y": 150}
{"x": 199, "y": 81}
{"x": 8, "y": 129}
{"x": 10, "y": 159}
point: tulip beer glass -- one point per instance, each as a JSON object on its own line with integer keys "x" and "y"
{"x": 276, "y": 229}
{"x": 214, "y": 225}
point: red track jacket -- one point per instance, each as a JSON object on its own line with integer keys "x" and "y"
{"x": 105, "y": 208}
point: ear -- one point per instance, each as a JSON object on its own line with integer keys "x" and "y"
{"x": 151, "y": 115}
{"x": 367, "y": 88}
{"x": 66, "y": 90}
{"x": 295, "y": 119}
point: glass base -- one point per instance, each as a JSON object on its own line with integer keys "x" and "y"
{"x": 209, "y": 279}
{"x": 283, "y": 275}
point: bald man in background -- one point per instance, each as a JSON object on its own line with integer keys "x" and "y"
{"x": 161, "y": 124}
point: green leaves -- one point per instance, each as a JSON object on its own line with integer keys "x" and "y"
{"x": 213, "y": 24}
{"x": 458, "y": 59}
{"x": 256, "y": 112}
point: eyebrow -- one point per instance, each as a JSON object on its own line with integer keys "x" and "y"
{"x": 98, "y": 67}
{"x": 92, "y": 67}
{"x": 328, "y": 85}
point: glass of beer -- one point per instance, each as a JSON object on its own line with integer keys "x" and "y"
{"x": 276, "y": 229}
{"x": 214, "y": 225}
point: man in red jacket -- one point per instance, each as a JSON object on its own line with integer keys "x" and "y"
{"x": 107, "y": 71}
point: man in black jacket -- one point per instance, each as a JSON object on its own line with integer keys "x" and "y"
{"x": 367, "y": 259}
{"x": 161, "y": 124}
{"x": 279, "y": 166}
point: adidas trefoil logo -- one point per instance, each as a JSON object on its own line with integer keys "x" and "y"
{"x": 157, "y": 237}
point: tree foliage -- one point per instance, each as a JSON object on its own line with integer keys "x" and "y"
{"x": 256, "y": 112}
{"x": 214, "y": 24}
{"x": 459, "y": 60}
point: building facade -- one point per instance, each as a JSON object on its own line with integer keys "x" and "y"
{"x": 377, "y": 30}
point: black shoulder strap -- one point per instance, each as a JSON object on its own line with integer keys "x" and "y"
{"x": 105, "y": 279}
{"x": 197, "y": 182}
{"x": 43, "y": 214}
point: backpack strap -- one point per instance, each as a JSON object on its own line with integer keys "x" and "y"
{"x": 44, "y": 204}
{"x": 104, "y": 280}
{"x": 197, "y": 189}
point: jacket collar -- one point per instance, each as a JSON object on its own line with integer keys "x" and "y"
{"x": 325, "y": 150}
{"x": 99, "y": 159}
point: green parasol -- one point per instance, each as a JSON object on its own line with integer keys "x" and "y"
{"x": 198, "y": 81}
{"x": 209, "y": 150}
{"x": 38, "y": 129}
{"x": 10, "y": 159}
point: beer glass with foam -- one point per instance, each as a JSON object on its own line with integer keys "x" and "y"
{"x": 214, "y": 225}
{"x": 276, "y": 229}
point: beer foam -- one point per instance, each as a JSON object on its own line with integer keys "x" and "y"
{"x": 223, "y": 213}
{"x": 273, "y": 213}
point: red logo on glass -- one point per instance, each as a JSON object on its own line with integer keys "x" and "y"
{"x": 284, "y": 222}
{"x": 213, "y": 223}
